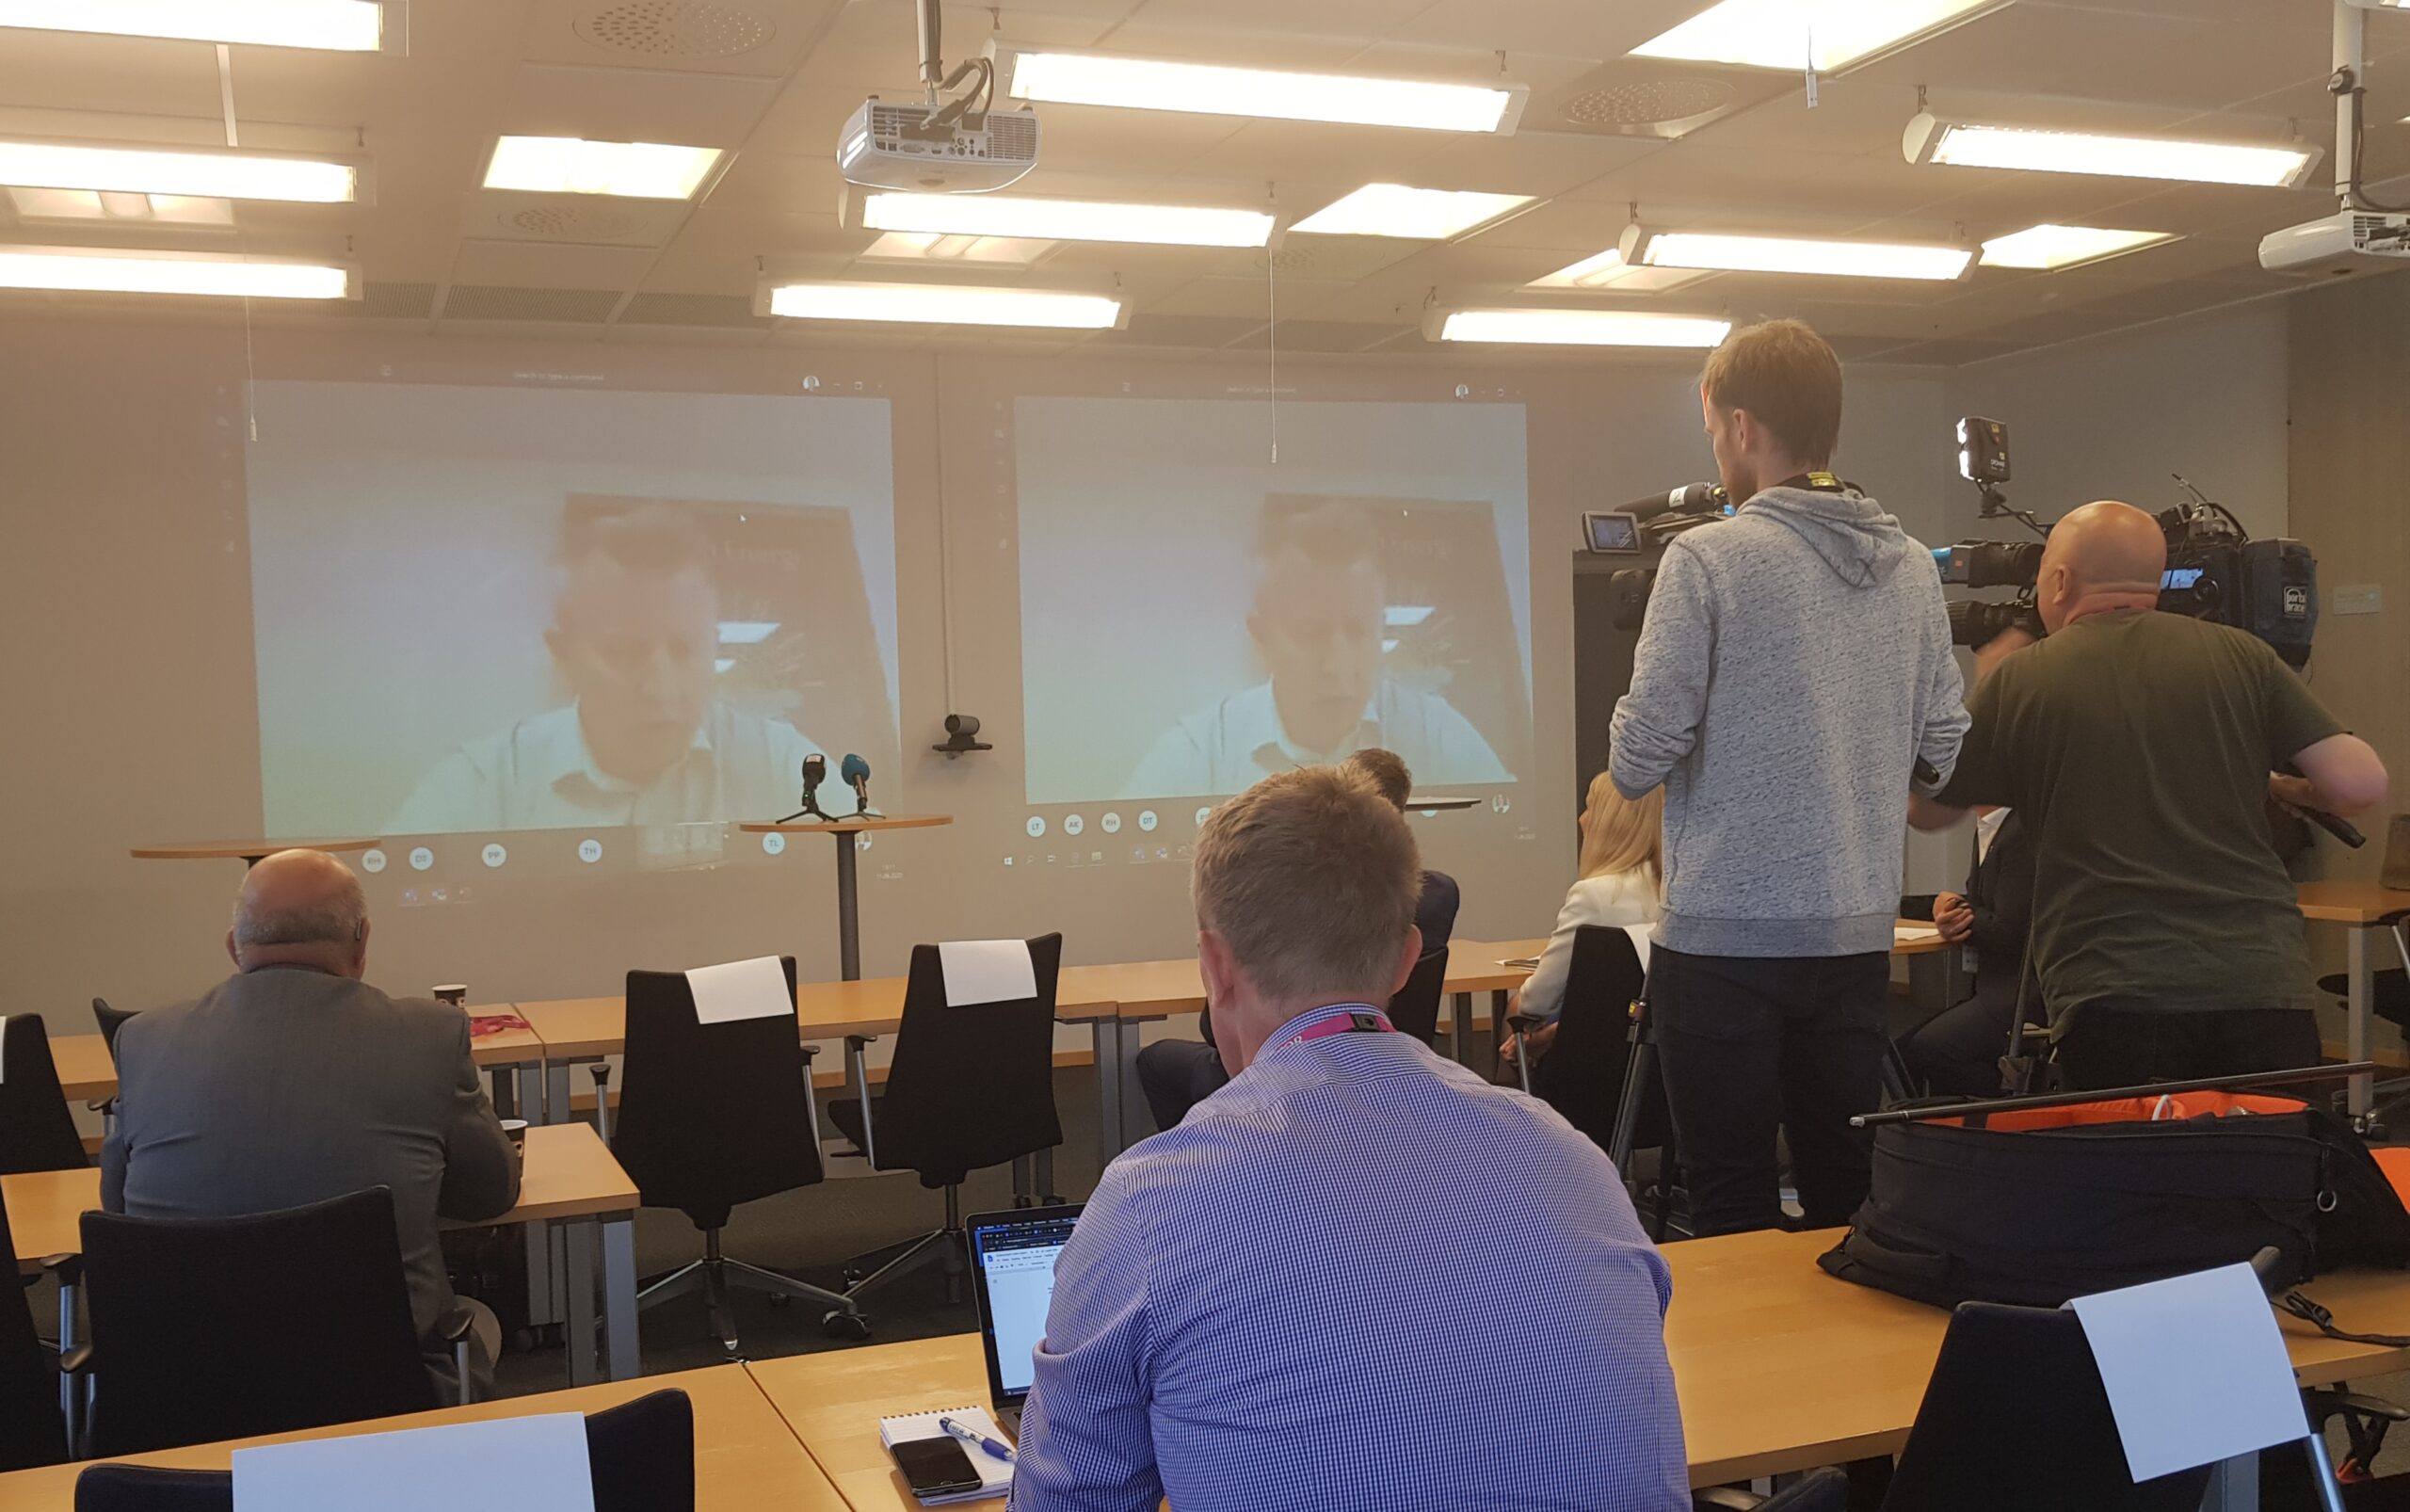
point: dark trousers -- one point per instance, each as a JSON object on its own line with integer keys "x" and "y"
{"x": 2105, "y": 1046}
{"x": 1957, "y": 1052}
{"x": 1176, "y": 1075}
{"x": 1750, "y": 1044}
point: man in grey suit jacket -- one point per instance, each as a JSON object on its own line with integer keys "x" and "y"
{"x": 293, "y": 1081}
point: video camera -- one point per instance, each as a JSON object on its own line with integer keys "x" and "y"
{"x": 2215, "y": 570}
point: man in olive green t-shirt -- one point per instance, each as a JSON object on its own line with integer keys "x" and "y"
{"x": 2140, "y": 750}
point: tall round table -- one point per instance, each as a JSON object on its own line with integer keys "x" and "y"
{"x": 849, "y": 923}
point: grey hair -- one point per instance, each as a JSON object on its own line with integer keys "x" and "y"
{"x": 336, "y": 920}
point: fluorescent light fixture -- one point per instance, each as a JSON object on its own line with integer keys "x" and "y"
{"x": 1929, "y": 140}
{"x": 98, "y": 270}
{"x": 571, "y": 165}
{"x": 1208, "y": 89}
{"x": 926, "y": 248}
{"x": 1398, "y": 614}
{"x": 2053, "y": 247}
{"x": 1575, "y": 327}
{"x": 945, "y": 304}
{"x": 119, "y": 209}
{"x": 1801, "y": 34}
{"x": 1408, "y": 214}
{"x": 1723, "y": 253}
{"x": 341, "y": 26}
{"x": 1608, "y": 270}
{"x": 1078, "y": 220}
{"x": 219, "y": 172}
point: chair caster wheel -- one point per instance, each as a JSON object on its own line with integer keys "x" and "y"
{"x": 779, "y": 1301}
{"x": 854, "y": 1276}
{"x": 838, "y": 1324}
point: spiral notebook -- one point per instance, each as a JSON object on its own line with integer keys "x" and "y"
{"x": 995, "y": 1475}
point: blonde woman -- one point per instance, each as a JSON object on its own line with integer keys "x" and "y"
{"x": 1622, "y": 883}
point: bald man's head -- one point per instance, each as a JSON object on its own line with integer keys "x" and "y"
{"x": 2105, "y": 556}
{"x": 300, "y": 908}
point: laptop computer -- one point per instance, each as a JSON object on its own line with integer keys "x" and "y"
{"x": 1012, "y": 1271}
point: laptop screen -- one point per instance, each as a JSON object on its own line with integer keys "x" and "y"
{"x": 1014, "y": 1254}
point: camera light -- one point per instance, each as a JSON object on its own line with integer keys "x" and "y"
{"x": 1965, "y": 459}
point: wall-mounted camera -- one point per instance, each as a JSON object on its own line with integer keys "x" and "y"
{"x": 962, "y": 734}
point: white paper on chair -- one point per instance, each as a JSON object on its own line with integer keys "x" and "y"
{"x": 534, "y": 1464}
{"x": 755, "y": 989}
{"x": 987, "y": 971}
{"x": 2196, "y": 1369}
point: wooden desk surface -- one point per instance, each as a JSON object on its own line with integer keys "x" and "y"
{"x": 583, "y": 1028}
{"x": 86, "y": 1074}
{"x": 849, "y": 824}
{"x": 745, "y": 1456}
{"x": 239, "y": 850}
{"x": 2347, "y": 902}
{"x": 570, "y": 1174}
{"x": 833, "y": 1399}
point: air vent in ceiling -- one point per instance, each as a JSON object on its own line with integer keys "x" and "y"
{"x": 569, "y": 221}
{"x": 1645, "y": 102}
{"x": 1286, "y": 259}
{"x": 721, "y": 310}
{"x": 486, "y": 301}
{"x": 396, "y": 302}
{"x": 675, "y": 28}
{"x": 1640, "y": 97}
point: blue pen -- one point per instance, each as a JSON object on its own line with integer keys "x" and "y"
{"x": 978, "y": 1440}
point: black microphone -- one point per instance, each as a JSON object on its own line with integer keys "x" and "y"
{"x": 857, "y": 773}
{"x": 816, "y": 771}
{"x": 1691, "y": 498}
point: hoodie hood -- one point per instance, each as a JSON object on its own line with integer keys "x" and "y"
{"x": 1850, "y": 532}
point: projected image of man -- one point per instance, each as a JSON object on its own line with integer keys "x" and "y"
{"x": 645, "y": 740}
{"x": 1317, "y": 625}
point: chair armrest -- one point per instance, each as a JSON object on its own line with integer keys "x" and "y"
{"x": 68, "y": 1268}
{"x": 457, "y": 1323}
{"x": 1725, "y": 1499}
{"x": 2323, "y": 1404}
{"x": 1523, "y": 1023}
{"x": 809, "y": 1052}
{"x": 76, "y": 1360}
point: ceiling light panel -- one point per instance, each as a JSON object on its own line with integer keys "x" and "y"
{"x": 1796, "y": 35}
{"x": 1579, "y": 328}
{"x": 1724, "y": 252}
{"x": 118, "y": 208}
{"x": 2056, "y": 247}
{"x": 88, "y": 269}
{"x": 948, "y": 304}
{"x": 342, "y": 25}
{"x": 226, "y": 175}
{"x": 928, "y": 248}
{"x": 1609, "y": 271}
{"x": 1408, "y": 214}
{"x": 990, "y": 215}
{"x": 1931, "y": 140}
{"x": 1148, "y": 83}
{"x": 571, "y": 165}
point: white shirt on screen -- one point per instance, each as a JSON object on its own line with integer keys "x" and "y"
{"x": 1625, "y": 899}
{"x": 1239, "y": 741}
{"x": 539, "y": 774}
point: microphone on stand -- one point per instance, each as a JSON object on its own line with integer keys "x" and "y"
{"x": 856, "y": 772}
{"x": 816, "y": 771}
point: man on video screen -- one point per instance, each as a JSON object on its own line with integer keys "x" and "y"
{"x": 1317, "y": 624}
{"x": 635, "y": 638}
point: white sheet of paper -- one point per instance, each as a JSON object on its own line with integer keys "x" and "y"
{"x": 987, "y": 971}
{"x": 2196, "y": 1369}
{"x": 534, "y": 1464}
{"x": 1903, "y": 933}
{"x": 755, "y": 989}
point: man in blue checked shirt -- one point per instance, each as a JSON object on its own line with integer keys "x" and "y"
{"x": 1245, "y": 1319}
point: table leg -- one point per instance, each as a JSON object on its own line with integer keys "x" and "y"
{"x": 1105, "y": 1034}
{"x": 529, "y": 1098}
{"x": 557, "y": 1101}
{"x": 620, "y": 1357}
{"x": 1134, "y": 1097}
{"x": 578, "y": 1340}
{"x": 1460, "y": 1026}
{"x": 1501, "y": 1001}
{"x": 849, "y": 922}
{"x": 2356, "y": 1030}
{"x": 2233, "y": 1486}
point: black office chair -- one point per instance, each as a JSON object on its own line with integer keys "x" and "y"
{"x": 642, "y": 1454}
{"x": 1819, "y": 1490}
{"x": 37, "y": 1131}
{"x": 209, "y": 1328}
{"x": 712, "y": 1115}
{"x": 110, "y": 1020}
{"x": 2389, "y": 1000}
{"x": 31, "y": 1432}
{"x": 969, "y": 1088}
{"x": 1415, "y": 1009}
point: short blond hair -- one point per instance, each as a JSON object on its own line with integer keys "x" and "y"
{"x": 1784, "y": 375}
{"x": 1310, "y": 878}
{"x": 1386, "y": 770}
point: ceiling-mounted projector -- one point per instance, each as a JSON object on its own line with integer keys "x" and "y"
{"x": 2349, "y": 241}
{"x": 895, "y": 145}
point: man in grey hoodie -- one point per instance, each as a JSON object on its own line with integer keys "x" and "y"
{"x": 1793, "y": 671}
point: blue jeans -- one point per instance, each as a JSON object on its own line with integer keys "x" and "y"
{"x": 1753, "y": 1044}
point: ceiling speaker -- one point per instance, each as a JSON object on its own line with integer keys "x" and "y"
{"x": 1647, "y": 103}
{"x": 675, "y": 28}
{"x": 569, "y": 221}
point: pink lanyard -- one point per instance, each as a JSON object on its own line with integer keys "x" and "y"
{"x": 1347, "y": 1019}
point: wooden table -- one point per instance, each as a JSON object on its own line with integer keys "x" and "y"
{"x": 849, "y": 923}
{"x": 86, "y": 1073}
{"x": 1779, "y": 1366}
{"x": 2358, "y": 906}
{"x": 570, "y": 1182}
{"x": 249, "y": 851}
{"x": 745, "y": 1456}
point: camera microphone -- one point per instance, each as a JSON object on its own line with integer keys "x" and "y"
{"x": 856, "y": 772}
{"x": 2339, "y": 828}
{"x": 1691, "y": 498}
